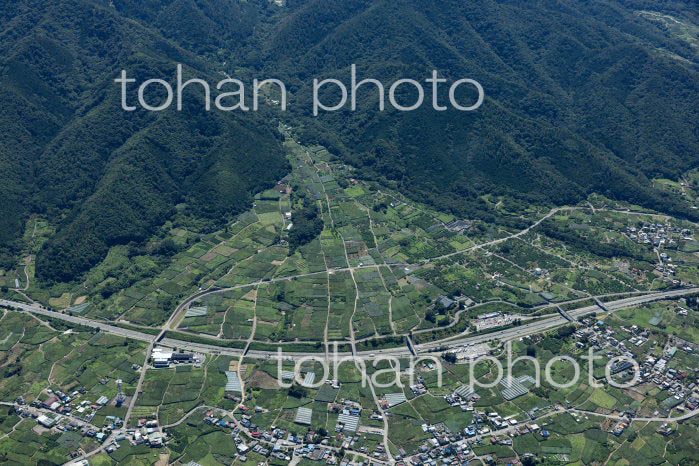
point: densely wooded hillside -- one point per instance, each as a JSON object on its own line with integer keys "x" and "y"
{"x": 109, "y": 176}
{"x": 581, "y": 96}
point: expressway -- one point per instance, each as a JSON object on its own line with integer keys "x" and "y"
{"x": 113, "y": 329}
{"x": 539, "y": 326}
{"x": 558, "y": 320}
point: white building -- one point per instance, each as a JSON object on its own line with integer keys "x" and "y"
{"x": 161, "y": 357}
{"x": 45, "y": 421}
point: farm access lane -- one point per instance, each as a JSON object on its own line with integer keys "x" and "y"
{"x": 507, "y": 334}
{"x": 113, "y": 329}
{"x": 547, "y": 324}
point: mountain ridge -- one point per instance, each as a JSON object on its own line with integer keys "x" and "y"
{"x": 109, "y": 176}
{"x": 581, "y": 97}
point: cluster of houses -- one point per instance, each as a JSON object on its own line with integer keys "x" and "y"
{"x": 255, "y": 446}
{"x": 598, "y": 337}
{"x": 653, "y": 369}
{"x": 419, "y": 388}
{"x": 349, "y": 413}
{"x": 667, "y": 270}
{"x": 262, "y": 440}
{"x": 317, "y": 453}
{"x": 620, "y": 427}
{"x": 665, "y": 429}
{"x": 280, "y": 444}
{"x": 447, "y": 447}
{"x": 680, "y": 388}
{"x": 659, "y": 234}
{"x": 463, "y": 398}
{"x": 70, "y": 416}
{"x": 42, "y": 419}
{"x": 67, "y": 422}
{"x": 64, "y": 404}
{"x": 459, "y": 226}
{"x": 455, "y": 448}
{"x": 147, "y": 432}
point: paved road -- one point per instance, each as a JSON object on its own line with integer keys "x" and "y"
{"x": 37, "y": 411}
{"x": 36, "y": 309}
{"x": 184, "y": 305}
{"x": 505, "y": 238}
{"x": 640, "y": 419}
{"x": 503, "y": 335}
{"x": 553, "y": 322}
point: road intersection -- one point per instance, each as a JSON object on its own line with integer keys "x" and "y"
{"x": 437, "y": 346}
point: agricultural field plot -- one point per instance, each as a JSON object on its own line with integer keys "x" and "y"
{"x": 435, "y": 409}
{"x": 270, "y": 311}
{"x": 372, "y": 314}
{"x": 53, "y": 359}
{"x": 143, "y": 289}
{"x": 239, "y": 314}
{"x": 281, "y": 404}
{"x": 36, "y": 232}
{"x": 208, "y": 314}
{"x": 201, "y": 442}
{"x": 284, "y": 310}
{"x": 342, "y": 298}
{"x": 255, "y": 268}
{"x": 96, "y": 365}
{"x": 572, "y": 276}
{"x": 528, "y": 258}
{"x": 163, "y": 387}
{"x": 306, "y": 259}
{"x": 404, "y": 429}
{"x": 333, "y": 250}
{"x": 647, "y": 449}
{"x": 169, "y": 394}
{"x": 484, "y": 277}
{"x": 145, "y": 300}
{"x": 128, "y": 454}
{"x": 25, "y": 365}
{"x": 403, "y": 314}
{"x": 307, "y": 310}
{"x": 21, "y": 444}
{"x": 663, "y": 317}
{"x": 236, "y": 260}
{"x": 421, "y": 254}
{"x": 412, "y": 246}
{"x": 593, "y": 282}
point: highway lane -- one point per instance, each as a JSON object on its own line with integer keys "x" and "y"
{"x": 182, "y": 308}
{"x": 553, "y": 322}
{"x": 36, "y": 309}
{"x": 628, "y": 302}
{"x": 431, "y": 347}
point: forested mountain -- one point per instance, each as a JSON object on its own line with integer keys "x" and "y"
{"x": 581, "y": 96}
{"x": 110, "y": 176}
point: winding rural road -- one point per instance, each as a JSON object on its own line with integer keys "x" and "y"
{"x": 438, "y": 346}
{"x": 435, "y": 346}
